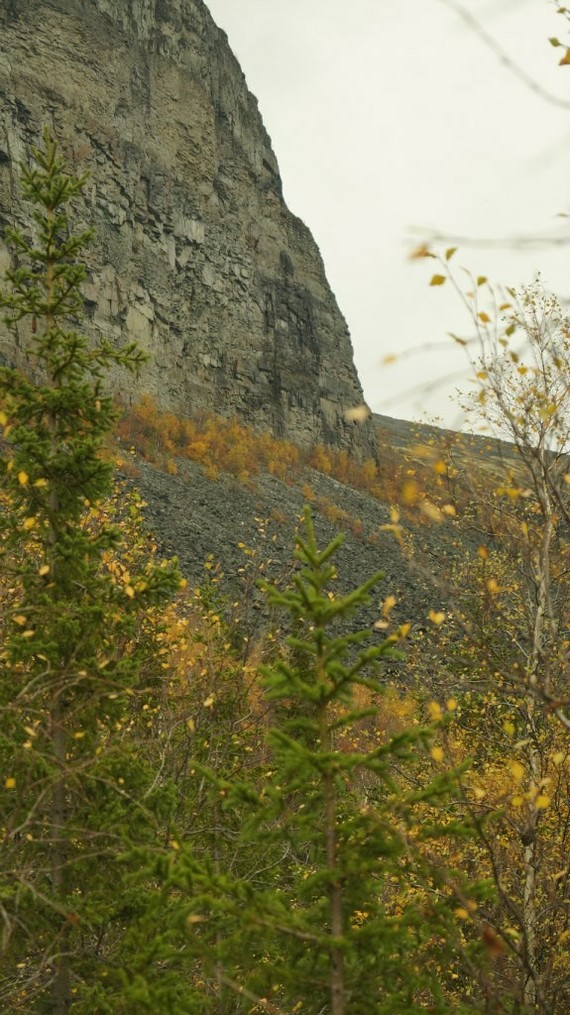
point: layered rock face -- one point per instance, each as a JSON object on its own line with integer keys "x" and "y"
{"x": 196, "y": 256}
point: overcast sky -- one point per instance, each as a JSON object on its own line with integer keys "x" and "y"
{"x": 391, "y": 119}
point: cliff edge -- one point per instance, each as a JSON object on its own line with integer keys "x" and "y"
{"x": 196, "y": 256}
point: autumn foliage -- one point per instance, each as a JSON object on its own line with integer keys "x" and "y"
{"x": 199, "y": 819}
{"x": 422, "y": 481}
{"x": 216, "y": 443}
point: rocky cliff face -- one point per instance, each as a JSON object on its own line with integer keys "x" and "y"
{"x": 196, "y": 255}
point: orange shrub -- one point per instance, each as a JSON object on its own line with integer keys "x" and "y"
{"x": 320, "y": 459}
{"x": 227, "y": 445}
{"x": 213, "y": 441}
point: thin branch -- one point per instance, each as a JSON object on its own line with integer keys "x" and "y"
{"x": 502, "y": 56}
{"x": 493, "y": 241}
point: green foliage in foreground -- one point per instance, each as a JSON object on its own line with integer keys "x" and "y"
{"x": 314, "y": 888}
{"x": 347, "y": 915}
{"x": 73, "y": 794}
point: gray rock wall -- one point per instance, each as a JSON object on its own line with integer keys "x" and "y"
{"x": 196, "y": 255}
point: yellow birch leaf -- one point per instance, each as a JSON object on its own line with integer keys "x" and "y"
{"x": 418, "y": 252}
{"x": 514, "y": 492}
{"x": 565, "y": 61}
{"x": 517, "y": 770}
{"x": 437, "y": 753}
{"x": 410, "y": 492}
{"x": 44, "y": 569}
{"x": 431, "y": 511}
{"x": 20, "y": 619}
{"x": 29, "y": 523}
{"x": 435, "y": 711}
{"x": 437, "y": 280}
{"x": 436, "y": 617}
{"x": 357, "y": 414}
{"x": 542, "y": 802}
{"x": 388, "y": 605}
{"x": 23, "y": 478}
{"x": 10, "y": 783}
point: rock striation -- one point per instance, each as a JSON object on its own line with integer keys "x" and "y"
{"x": 196, "y": 255}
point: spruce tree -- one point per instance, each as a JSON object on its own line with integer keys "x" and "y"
{"x": 73, "y": 794}
{"x": 348, "y": 914}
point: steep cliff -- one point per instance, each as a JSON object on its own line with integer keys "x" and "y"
{"x": 196, "y": 255}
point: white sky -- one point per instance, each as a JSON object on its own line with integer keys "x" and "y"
{"x": 391, "y": 116}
